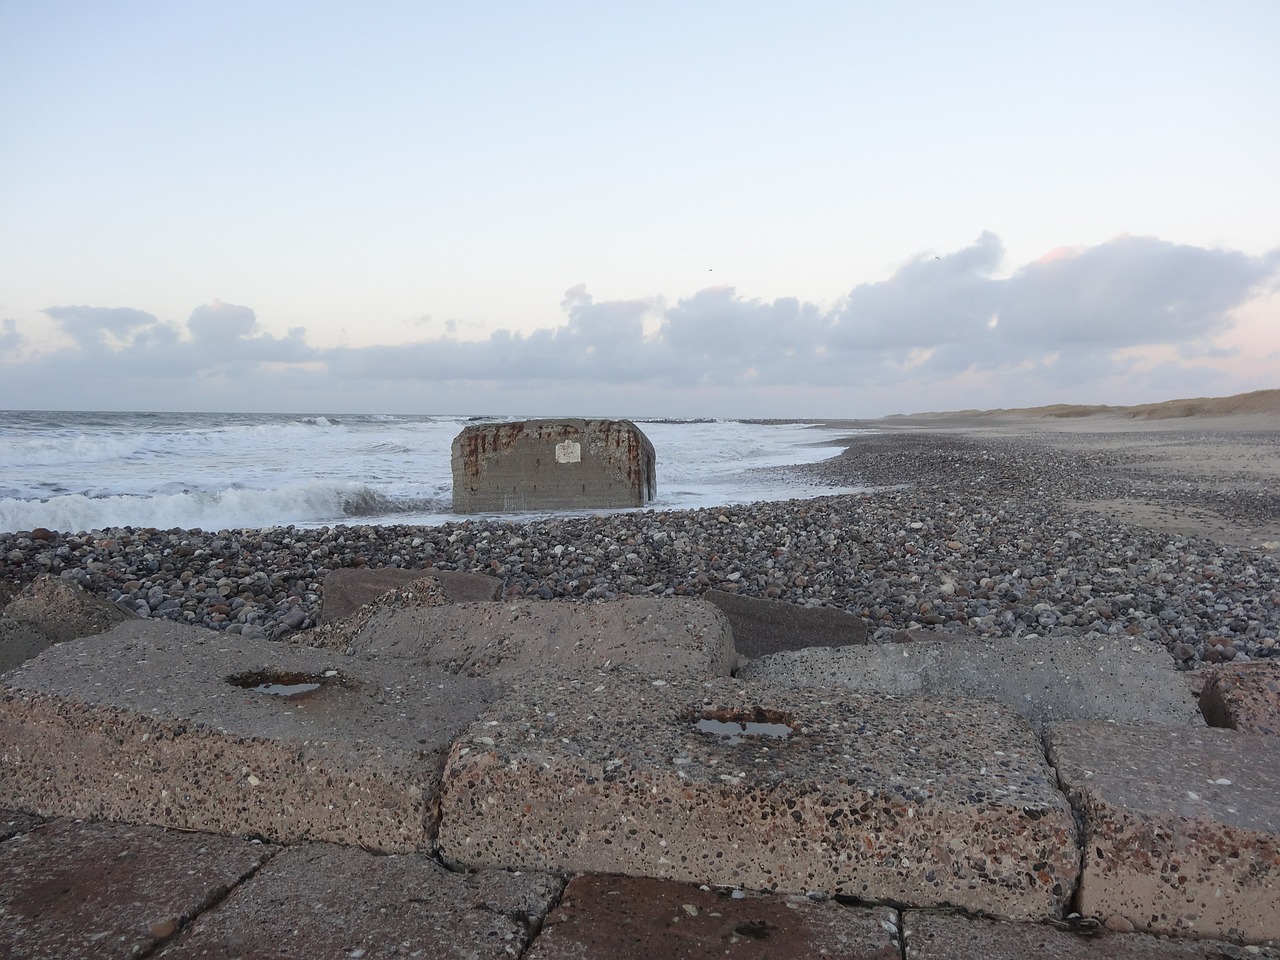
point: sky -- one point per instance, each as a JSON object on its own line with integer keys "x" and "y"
{"x": 811, "y": 209}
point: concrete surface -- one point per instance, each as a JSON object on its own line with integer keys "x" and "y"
{"x": 594, "y": 737}
{"x": 666, "y": 637}
{"x": 143, "y": 724}
{"x": 93, "y": 890}
{"x": 552, "y": 465}
{"x": 940, "y": 936}
{"x": 72, "y": 889}
{"x": 1044, "y": 679}
{"x": 631, "y": 918}
{"x": 13, "y": 822}
{"x": 1181, "y": 826}
{"x": 318, "y": 901}
{"x": 761, "y": 627}
{"x": 51, "y": 610}
{"x": 344, "y": 591}
{"x": 1244, "y": 697}
{"x": 19, "y": 642}
{"x": 911, "y": 802}
{"x": 407, "y": 609}
{"x": 63, "y": 609}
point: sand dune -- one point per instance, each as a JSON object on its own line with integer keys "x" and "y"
{"x": 1257, "y": 403}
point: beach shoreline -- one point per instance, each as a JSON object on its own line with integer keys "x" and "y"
{"x": 987, "y": 526}
{"x": 1210, "y": 476}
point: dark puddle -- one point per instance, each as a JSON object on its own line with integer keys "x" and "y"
{"x": 286, "y": 689}
{"x": 735, "y": 731}
{"x": 280, "y": 683}
{"x": 734, "y": 725}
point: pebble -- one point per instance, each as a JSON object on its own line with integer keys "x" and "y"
{"x": 960, "y": 534}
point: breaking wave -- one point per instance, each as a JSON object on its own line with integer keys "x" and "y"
{"x": 306, "y": 504}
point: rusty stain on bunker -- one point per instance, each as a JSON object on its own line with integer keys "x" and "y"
{"x": 552, "y": 465}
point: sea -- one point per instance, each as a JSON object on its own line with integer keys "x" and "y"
{"x": 77, "y": 472}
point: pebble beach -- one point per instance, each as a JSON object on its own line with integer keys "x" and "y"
{"x": 990, "y": 533}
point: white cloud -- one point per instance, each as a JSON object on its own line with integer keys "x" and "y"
{"x": 1132, "y": 290}
{"x": 1070, "y": 321}
{"x": 927, "y": 302}
{"x": 100, "y": 326}
{"x": 218, "y": 320}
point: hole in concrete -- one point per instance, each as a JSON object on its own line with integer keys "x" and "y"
{"x": 734, "y": 724}
{"x": 282, "y": 683}
{"x": 755, "y": 929}
{"x": 1214, "y": 708}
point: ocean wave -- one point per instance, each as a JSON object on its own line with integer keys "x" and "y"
{"x": 295, "y": 427}
{"x": 58, "y": 449}
{"x": 319, "y": 421}
{"x": 307, "y": 503}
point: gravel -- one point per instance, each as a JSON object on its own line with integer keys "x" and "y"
{"x": 960, "y": 534}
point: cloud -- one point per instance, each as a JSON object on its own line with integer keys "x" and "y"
{"x": 716, "y": 337}
{"x": 100, "y": 326}
{"x": 599, "y": 342}
{"x": 10, "y": 338}
{"x": 928, "y": 302}
{"x": 109, "y": 343}
{"x": 218, "y": 320}
{"x": 1113, "y": 316}
{"x": 1130, "y": 291}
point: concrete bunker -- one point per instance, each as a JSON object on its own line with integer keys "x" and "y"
{"x": 552, "y": 465}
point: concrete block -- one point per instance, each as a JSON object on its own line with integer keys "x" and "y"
{"x": 761, "y": 627}
{"x": 344, "y": 591}
{"x": 632, "y": 918}
{"x": 908, "y": 802}
{"x": 317, "y": 901}
{"x": 19, "y": 642}
{"x": 155, "y": 722}
{"x": 1043, "y": 679}
{"x": 1181, "y": 826}
{"x": 104, "y": 890}
{"x": 408, "y": 608}
{"x": 63, "y": 610}
{"x": 1243, "y": 696}
{"x": 939, "y": 936}
{"x": 568, "y": 464}
{"x": 665, "y": 637}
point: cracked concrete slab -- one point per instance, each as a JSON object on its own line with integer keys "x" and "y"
{"x": 98, "y": 890}
{"x": 1181, "y": 826}
{"x": 1044, "y": 679}
{"x": 316, "y": 901}
{"x": 144, "y": 724}
{"x": 940, "y": 936}
{"x": 635, "y": 918}
{"x": 910, "y": 802}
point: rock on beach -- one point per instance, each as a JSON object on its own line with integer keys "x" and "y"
{"x": 956, "y": 534}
